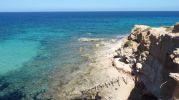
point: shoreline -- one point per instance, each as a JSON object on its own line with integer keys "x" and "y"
{"x": 133, "y": 67}
{"x": 99, "y": 73}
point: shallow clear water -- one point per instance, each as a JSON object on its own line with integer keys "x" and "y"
{"x": 33, "y": 46}
{"x": 14, "y": 53}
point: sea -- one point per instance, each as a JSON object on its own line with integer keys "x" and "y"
{"x": 35, "y": 46}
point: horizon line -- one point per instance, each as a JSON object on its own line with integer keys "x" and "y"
{"x": 89, "y": 11}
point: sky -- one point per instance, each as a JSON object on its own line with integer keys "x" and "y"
{"x": 88, "y": 5}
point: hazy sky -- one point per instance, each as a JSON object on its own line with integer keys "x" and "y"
{"x": 88, "y": 5}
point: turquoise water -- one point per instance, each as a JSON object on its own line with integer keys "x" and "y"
{"x": 14, "y": 53}
{"x": 36, "y": 46}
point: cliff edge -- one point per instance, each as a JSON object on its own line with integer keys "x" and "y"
{"x": 153, "y": 56}
{"x": 142, "y": 66}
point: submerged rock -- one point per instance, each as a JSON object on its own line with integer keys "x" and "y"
{"x": 14, "y": 95}
{"x": 3, "y": 85}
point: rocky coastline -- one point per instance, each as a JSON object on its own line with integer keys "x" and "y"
{"x": 142, "y": 66}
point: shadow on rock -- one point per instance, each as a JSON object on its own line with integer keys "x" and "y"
{"x": 139, "y": 93}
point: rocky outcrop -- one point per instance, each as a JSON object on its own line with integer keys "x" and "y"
{"x": 152, "y": 54}
{"x": 148, "y": 59}
{"x": 99, "y": 79}
{"x": 175, "y": 76}
{"x": 176, "y": 28}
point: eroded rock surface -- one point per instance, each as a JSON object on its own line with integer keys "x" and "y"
{"x": 176, "y": 27}
{"x": 153, "y": 53}
{"x": 148, "y": 58}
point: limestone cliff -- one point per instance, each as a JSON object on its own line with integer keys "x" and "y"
{"x": 153, "y": 57}
{"x": 142, "y": 66}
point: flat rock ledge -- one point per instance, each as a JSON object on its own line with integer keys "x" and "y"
{"x": 148, "y": 61}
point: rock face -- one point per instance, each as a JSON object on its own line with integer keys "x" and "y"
{"x": 154, "y": 53}
{"x": 147, "y": 60}
{"x": 176, "y": 27}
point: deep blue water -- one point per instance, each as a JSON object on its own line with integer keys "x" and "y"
{"x": 33, "y": 45}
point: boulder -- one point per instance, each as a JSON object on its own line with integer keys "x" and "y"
{"x": 121, "y": 65}
{"x": 175, "y": 76}
{"x": 176, "y": 28}
{"x": 136, "y": 31}
{"x": 139, "y": 66}
{"x": 175, "y": 56}
{"x": 176, "y": 60}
